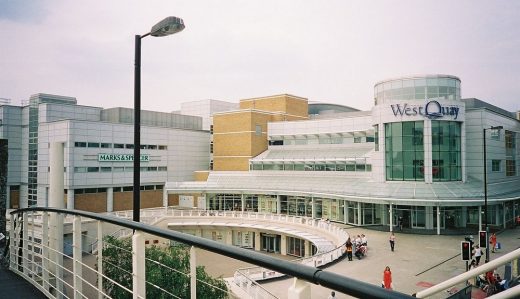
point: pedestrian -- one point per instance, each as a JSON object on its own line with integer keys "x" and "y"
{"x": 477, "y": 253}
{"x": 332, "y": 295}
{"x": 493, "y": 241}
{"x": 364, "y": 240}
{"x": 348, "y": 246}
{"x": 358, "y": 240}
{"x": 400, "y": 223}
{"x": 387, "y": 278}
{"x": 392, "y": 241}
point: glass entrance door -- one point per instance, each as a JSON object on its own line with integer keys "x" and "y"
{"x": 270, "y": 243}
{"x": 419, "y": 217}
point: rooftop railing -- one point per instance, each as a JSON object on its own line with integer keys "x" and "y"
{"x": 62, "y": 276}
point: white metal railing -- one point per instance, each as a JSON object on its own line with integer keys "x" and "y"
{"x": 246, "y": 278}
{"x": 43, "y": 262}
{"x": 490, "y": 266}
{"x": 250, "y": 286}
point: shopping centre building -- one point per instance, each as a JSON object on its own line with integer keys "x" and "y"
{"x": 415, "y": 159}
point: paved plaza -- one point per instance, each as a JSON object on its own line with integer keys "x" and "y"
{"x": 418, "y": 261}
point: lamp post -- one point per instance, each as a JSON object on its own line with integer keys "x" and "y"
{"x": 485, "y": 187}
{"x": 168, "y": 26}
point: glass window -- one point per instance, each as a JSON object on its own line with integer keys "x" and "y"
{"x": 446, "y": 151}
{"x": 92, "y": 169}
{"x": 432, "y": 81}
{"x": 106, "y": 169}
{"x": 495, "y": 165}
{"x": 80, "y": 144}
{"x": 80, "y": 169}
{"x": 106, "y": 145}
{"x": 376, "y": 138}
{"x": 404, "y": 153}
{"x": 510, "y": 167}
{"x": 119, "y": 145}
{"x": 93, "y": 144}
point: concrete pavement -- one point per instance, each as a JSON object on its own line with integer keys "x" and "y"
{"x": 418, "y": 261}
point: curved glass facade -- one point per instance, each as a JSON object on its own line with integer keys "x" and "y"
{"x": 404, "y": 151}
{"x": 418, "y": 88}
{"x": 446, "y": 151}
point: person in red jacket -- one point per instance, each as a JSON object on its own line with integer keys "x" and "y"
{"x": 387, "y": 278}
{"x": 493, "y": 241}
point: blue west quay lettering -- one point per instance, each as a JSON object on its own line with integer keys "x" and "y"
{"x": 432, "y": 110}
{"x": 398, "y": 110}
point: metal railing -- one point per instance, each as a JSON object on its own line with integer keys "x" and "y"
{"x": 51, "y": 282}
{"x": 471, "y": 274}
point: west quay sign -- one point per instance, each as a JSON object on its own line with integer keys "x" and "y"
{"x": 121, "y": 158}
{"x": 431, "y": 110}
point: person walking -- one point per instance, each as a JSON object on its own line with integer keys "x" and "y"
{"x": 332, "y": 295}
{"x": 477, "y": 253}
{"x": 493, "y": 241}
{"x": 392, "y": 241}
{"x": 348, "y": 246}
{"x": 387, "y": 278}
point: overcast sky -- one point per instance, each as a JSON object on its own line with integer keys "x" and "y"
{"x": 330, "y": 51}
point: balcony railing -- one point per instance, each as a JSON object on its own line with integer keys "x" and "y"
{"x": 44, "y": 263}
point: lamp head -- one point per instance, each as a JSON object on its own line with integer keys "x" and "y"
{"x": 168, "y": 26}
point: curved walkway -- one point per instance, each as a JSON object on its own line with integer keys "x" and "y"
{"x": 14, "y": 286}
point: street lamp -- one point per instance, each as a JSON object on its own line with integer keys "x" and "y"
{"x": 168, "y": 26}
{"x": 485, "y": 187}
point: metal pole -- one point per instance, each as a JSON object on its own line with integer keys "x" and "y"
{"x": 485, "y": 195}
{"x": 137, "y": 129}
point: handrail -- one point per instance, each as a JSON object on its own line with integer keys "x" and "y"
{"x": 314, "y": 275}
{"x": 490, "y": 266}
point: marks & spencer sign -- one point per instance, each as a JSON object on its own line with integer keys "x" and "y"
{"x": 121, "y": 158}
{"x": 431, "y": 110}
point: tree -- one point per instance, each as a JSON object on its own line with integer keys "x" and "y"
{"x": 160, "y": 267}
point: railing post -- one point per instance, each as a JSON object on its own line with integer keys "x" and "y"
{"x": 100, "y": 259}
{"x": 33, "y": 251}
{"x": 77, "y": 257}
{"x": 138, "y": 266}
{"x": 58, "y": 237}
{"x": 25, "y": 240}
{"x": 45, "y": 251}
{"x": 13, "y": 243}
{"x": 193, "y": 273}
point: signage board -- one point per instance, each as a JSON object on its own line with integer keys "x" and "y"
{"x": 432, "y": 110}
{"x": 121, "y": 158}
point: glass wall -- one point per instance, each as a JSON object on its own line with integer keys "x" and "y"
{"x": 421, "y": 88}
{"x": 295, "y": 247}
{"x": 251, "y": 202}
{"x": 446, "y": 151}
{"x": 404, "y": 151}
{"x": 226, "y": 202}
{"x": 352, "y": 212}
{"x": 357, "y": 164}
{"x": 328, "y": 209}
{"x": 267, "y": 204}
{"x": 299, "y": 206}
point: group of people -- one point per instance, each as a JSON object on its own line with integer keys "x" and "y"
{"x": 358, "y": 247}
{"x": 491, "y": 283}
